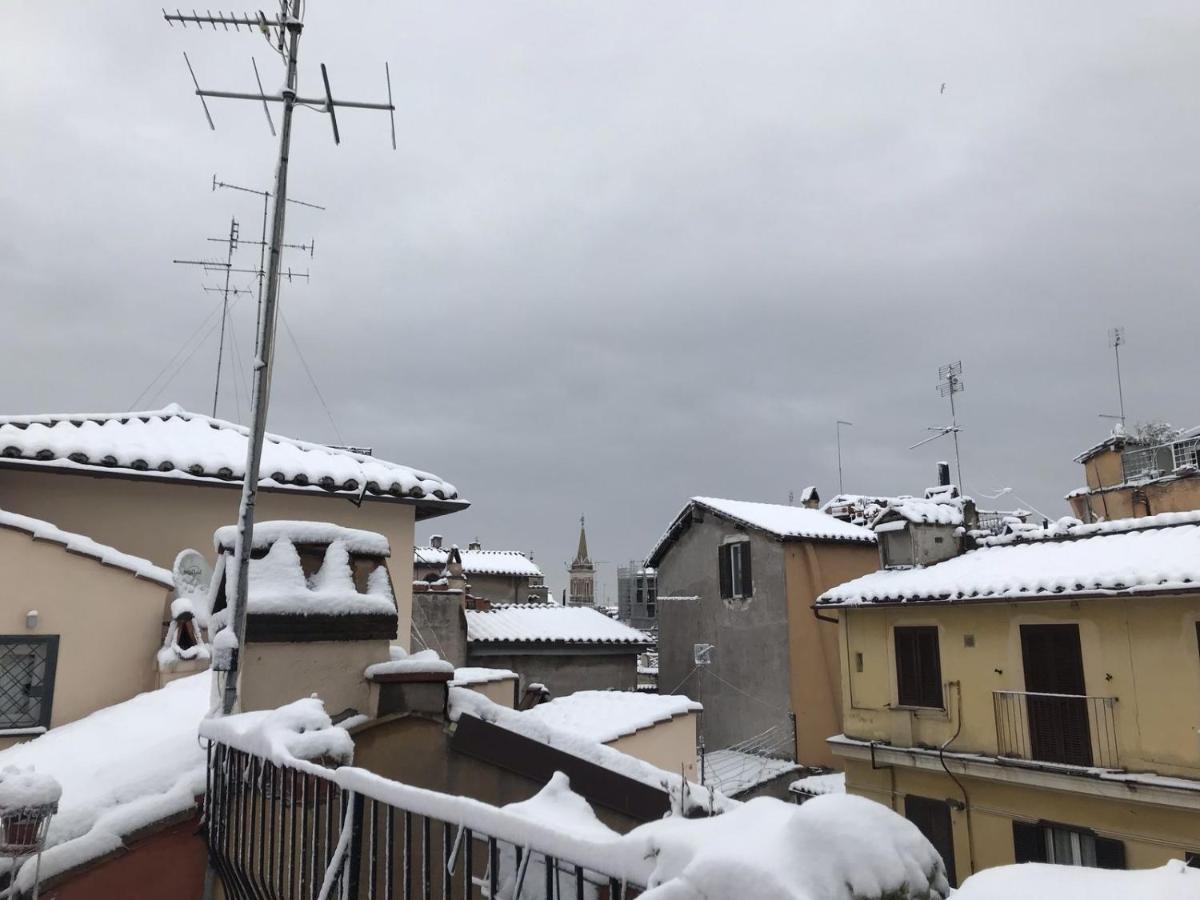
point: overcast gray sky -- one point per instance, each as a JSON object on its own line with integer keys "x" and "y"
{"x": 629, "y": 251}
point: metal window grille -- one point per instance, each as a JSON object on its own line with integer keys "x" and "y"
{"x": 1186, "y": 453}
{"x": 27, "y": 666}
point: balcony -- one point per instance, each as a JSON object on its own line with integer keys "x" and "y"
{"x": 1068, "y": 729}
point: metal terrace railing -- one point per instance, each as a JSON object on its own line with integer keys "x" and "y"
{"x": 1161, "y": 459}
{"x": 277, "y": 832}
{"x": 1057, "y": 728}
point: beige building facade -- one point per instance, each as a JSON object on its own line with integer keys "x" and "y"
{"x": 1059, "y": 725}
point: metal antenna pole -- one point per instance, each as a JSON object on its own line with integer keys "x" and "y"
{"x": 838, "y": 428}
{"x": 1116, "y": 337}
{"x": 233, "y": 228}
{"x": 283, "y": 34}
{"x": 957, "y": 459}
{"x": 262, "y": 370}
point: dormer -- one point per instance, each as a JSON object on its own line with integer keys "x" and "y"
{"x": 320, "y": 610}
{"x": 914, "y": 532}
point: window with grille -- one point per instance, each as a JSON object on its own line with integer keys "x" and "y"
{"x": 27, "y": 667}
{"x": 918, "y": 667}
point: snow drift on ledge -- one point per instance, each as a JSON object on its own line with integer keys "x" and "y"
{"x": 1034, "y": 881}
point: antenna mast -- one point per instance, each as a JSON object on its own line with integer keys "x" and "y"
{"x": 1116, "y": 337}
{"x": 838, "y": 429}
{"x": 949, "y": 384}
{"x": 283, "y": 35}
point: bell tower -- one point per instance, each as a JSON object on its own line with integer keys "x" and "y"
{"x": 583, "y": 574}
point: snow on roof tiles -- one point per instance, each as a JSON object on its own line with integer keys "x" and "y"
{"x": 368, "y": 543}
{"x": 925, "y": 512}
{"x": 548, "y": 623}
{"x": 78, "y": 543}
{"x": 1111, "y": 558}
{"x": 784, "y": 522}
{"x": 605, "y": 716}
{"x": 481, "y": 562}
{"x": 174, "y": 443}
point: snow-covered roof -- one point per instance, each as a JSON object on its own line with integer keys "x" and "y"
{"x": 78, "y": 543}
{"x": 544, "y": 622}
{"x": 121, "y": 769}
{"x": 468, "y": 675}
{"x": 816, "y": 785}
{"x": 605, "y": 716}
{"x": 923, "y": 512}
{"x": 481, "y": 562}
{"x": 176, "y": 444}
{"x": 1174, "y": 881}
{"x": 787, "y": 523}
{"x": 1129, "y": 556}
{"x": 368, "y": 543}
{"x": 734, "y": 771}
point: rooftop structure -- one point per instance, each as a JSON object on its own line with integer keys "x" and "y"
{"x": 535, "y": 623}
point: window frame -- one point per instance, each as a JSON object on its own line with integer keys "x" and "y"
{"x": 911, "y": 690}
{"x": 51, "y": 642}
{"x": 1034, "y": 842}
{"x": 735, "y": 580}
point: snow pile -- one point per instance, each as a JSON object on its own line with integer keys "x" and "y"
{"x": 121, "y": 769}
{"x": 369, "y": 543}
{"x": 480, "y": 562}
{"x": 299, "y": 731}
{"x": 174, "y": 443}
{"x": 604, "y": 716}
{"x": 815, "y": 785}
{"x": 278, "y": 584}
{"x": 734, "y": 771}
{"x": 1070, "y": 527}
{"x": 1120, "y": 559}
{"x": 925, "y": 512}
{"x": 546, "y": 622}
{"x": 423, "y": 662}
{"x": 1174, "y": 881}
{"x": 467, "y": 675}
{"x": 85, "y": 546}
{"x": 557, "y": 806}
{"x": 830, "y": 848}
{"x": 23, "y": 787}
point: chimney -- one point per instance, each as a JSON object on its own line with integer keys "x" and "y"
{"x": 435, "y": 541}
{"x": 474, "y": 545}
{"x": 809, "y": 498}
{"x": 943, "y": 470}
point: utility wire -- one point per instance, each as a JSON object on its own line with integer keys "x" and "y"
{"x": 179, "y": 368}
{"x": 240, "y": 374}
{"x": 311, "y": 379}
{"x": 182, "y": 347}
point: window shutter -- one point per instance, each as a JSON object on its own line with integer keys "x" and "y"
{"x": 747, "y": 580}
{"x": 1029, "y": 844}
{"x": 1110, "y": 854}
{"x": 726, "y": 574}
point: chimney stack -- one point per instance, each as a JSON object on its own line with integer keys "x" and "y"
{"x": 474, "y": 545}
{"x": 943, "y": 470}
{"x": 435, "y": 541}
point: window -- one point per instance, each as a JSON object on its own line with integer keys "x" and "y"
{"x": 918, "y": 667}
{"x": 733, "y": 561}
{"x": 1065, "y": 846}
{"x": 897, "y": 547}
{"x": 27, "y": 667}
{"x": 932, "y": 818}
{"x": 1191, "y": 860}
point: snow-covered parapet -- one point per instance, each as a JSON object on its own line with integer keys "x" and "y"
{"x": 356, "y": 540}
{"x": 300, "y": 731}
{"x": 423, "y": 662}
{"x": 835, "y": 847}
{"x": 1174, "y": 881}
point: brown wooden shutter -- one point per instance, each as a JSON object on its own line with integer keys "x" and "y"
{"x": 1029, "y": 842}
{"x": 747, "y": 580}
{"x": 918, "y": 667}
{"x": 726, "y": 575}
{"x": 1110, "y": 853}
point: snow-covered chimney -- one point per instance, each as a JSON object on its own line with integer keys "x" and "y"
{"x": 475, "y": 545}
{"x": 943, "y": 474}
{"x": 809, "y": 498}
{"x": 435, "y": 541}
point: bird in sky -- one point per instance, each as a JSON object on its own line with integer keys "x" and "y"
{"x": 943, "y": 90}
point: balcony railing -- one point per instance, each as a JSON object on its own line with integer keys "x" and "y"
{"x": 1057, "y": 728}
{"x": 283, "y": 833}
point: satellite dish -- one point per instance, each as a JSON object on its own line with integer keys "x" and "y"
{"x": 193, "y": 574}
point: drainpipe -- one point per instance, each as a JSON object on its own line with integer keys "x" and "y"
{"x": 966, "y": 800}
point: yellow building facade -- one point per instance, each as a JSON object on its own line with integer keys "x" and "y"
{"x": 1035, "y": 699}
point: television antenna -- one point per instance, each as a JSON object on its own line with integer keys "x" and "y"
{"x": 838, "y": 429}
{"x": 949, "y": 384}
{"x": 1116, "y": 338}
{"x": 282, "y": 32}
